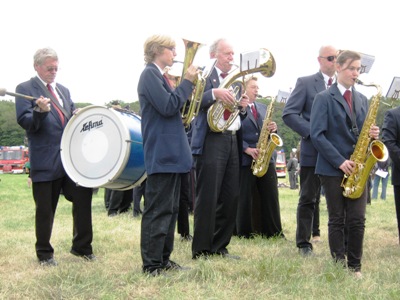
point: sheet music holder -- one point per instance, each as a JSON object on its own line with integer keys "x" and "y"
{"x": 394, "y": 89}
{"x": 249, "y": 60}
{"x": 366, "y": 62}
{"x": 282, "y": 96}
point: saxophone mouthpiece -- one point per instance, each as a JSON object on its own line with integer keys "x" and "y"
{"x": 358, "y": 81}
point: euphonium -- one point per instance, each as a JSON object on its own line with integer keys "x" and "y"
{"x": 215, "y": 113}
{"x": 188, "y": 113}
{"x": 266, "y": 145}
{"x": 366, "y": 153}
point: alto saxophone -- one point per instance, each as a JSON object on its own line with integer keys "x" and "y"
{"x": 366, "y": 153}
{"x": 266, "y": 145}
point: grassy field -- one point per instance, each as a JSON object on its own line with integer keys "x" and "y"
{"x": 268, "y": 269}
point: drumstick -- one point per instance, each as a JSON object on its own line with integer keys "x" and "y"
{"x": 3, "y": 92}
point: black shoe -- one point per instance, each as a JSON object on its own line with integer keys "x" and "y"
{"x": 88, "y": 257}
{"x": 202, "y": 254}
{"x": 155, "y": 272}
{"x": 306, "y": 251}
{"x": 171, "y": 265}
{"x": 50, "y": 262}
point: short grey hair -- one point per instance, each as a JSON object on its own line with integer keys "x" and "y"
{"x": 41, "y": 55}
{"x": 214, "y": 46}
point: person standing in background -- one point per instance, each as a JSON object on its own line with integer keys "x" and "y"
{"x": 44, "y": 120}
{"x": 292, "y": 167}
{"x": 381, "y": 175}
{"x": 296, "y": 115}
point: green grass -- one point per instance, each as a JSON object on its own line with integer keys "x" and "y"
{"x": 268, "y": 269}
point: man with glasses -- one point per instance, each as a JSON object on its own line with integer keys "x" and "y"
{"x": 296, "y": 115}
{"x": 44, "y": 120}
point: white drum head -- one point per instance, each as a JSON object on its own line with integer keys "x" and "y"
{"x": 95, "y": 146}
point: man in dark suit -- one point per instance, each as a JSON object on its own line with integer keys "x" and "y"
{"x": 391, "y": 138}
{"x": 44, "y": 120}
{"x": 296, "y": 115}
{"x": 217, "y": 160}
{"x": 336, "y": 124}
{"x": 266, "y": 218}
{"x": 166, "y": 152}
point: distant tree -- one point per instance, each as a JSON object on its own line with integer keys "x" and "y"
{"x": 11, "y": 134}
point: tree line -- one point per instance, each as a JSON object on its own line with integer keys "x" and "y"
{"x": 11, "y": 134}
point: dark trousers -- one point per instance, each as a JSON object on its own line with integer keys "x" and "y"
{"x": 396, "y": 189}
{"x": 315, "y": 226}
{"x": 292, "y": 179}
{"x": 120, "y": 201}
{"x": 138, "y": 193}
{"x": 159, "y": 219}
{"x": 343, "y": 212}
{"x": 183, "y": 215}
{"x": 46, "y": 195}
{"x": 309, "y": 191}
{"x": 258, "y": 210}
{"x": 217, "y": 194}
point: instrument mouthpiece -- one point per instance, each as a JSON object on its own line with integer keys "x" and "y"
{"x": 358, "y": 81}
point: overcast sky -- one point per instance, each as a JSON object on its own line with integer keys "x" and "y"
{"x": 100, "y": 43}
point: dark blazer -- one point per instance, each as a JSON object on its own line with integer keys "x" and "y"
{"x": 200, "y": 125}
{"x": 45, "y": 129}
{"x": 251, "y": 131}
{"x": 166, "y": 146}
{"x": 297, "y": 111}
{"x": 391, "y": 138}
{"x": 331, "y": 135}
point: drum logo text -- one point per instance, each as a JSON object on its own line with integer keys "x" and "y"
{"x": 90, "y": 125}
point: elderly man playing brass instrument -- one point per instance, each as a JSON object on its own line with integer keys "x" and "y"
{"x": 217, "y": 160}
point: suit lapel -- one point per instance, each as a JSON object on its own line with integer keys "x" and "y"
{"x": 46, "y": 92}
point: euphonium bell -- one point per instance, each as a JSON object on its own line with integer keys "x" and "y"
{"x": 265, "y": 65}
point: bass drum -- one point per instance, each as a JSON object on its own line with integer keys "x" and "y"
{"x": 103, "y": 147}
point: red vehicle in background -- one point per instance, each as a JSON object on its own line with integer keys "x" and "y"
{"x": 280, "y": 165}
{"x": 13, "y": 159}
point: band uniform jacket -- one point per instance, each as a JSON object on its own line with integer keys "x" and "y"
{"x": 391, "y": 138}
{"x": 200, "y": 124}
{"x": 334, "y": 139}
{"x": 44, "y": 128}
{"x": 296, "y": 114}
{"x": 165, "y": 143}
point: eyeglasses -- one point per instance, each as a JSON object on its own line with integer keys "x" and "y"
{"x": 52, "y": 69}
{"x": 329, "y": 58}
{"x": 171, "y": 48}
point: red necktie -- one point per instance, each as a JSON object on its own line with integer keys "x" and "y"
{"x": 227, "y": 113}
{"x": 347, "y": 96}
{"x": 253, "y": 109}
{"x": 167, "y": 80}
{"x": 61, "y": 115}
{"x": 330, "y": 81}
